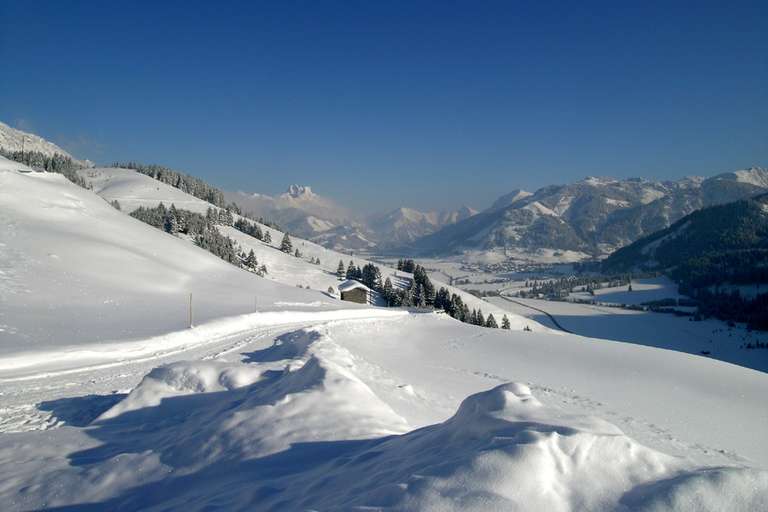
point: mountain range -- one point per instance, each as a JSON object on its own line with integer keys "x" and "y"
{"x": 588, "y": 218}
{"x": 310, "y": 215}
{"x": 594, "y": 216}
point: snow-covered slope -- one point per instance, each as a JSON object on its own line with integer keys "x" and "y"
{"x": 314, "y": 404}
{"x": 75, "y": 270}
{"x": 132, "y": 190}
{"x": 343, "y": 416}
{"x": 12, "y": 139}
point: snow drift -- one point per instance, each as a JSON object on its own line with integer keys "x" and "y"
{"x": 294, "y": 427}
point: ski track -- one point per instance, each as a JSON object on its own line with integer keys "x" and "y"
{"x": 23, "y": 398}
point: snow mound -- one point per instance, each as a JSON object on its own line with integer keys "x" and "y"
{"x": 181, "y": 379}
{"x": 316, "y": 437}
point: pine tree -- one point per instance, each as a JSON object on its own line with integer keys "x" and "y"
{"x": 351, "y": 270}
{"x": 267, "y": 237}
{"x": 387, "y": 291}
{"x": 340, "y": 270}
{"x": 505, "y": 322}
{"x": 480, "y": 318}
{"x": 408, "y": 298}
{"x": 297, "y": 253}
{"x": 171, "y": 221}
{"x": 491, "y": 322}
{"x": 286, "y": 246}
{"x": 418, "y": 296}
{"x": 250, "y": 261}
{"x": 262, "y": 270}
{"x": 429, "y": 293}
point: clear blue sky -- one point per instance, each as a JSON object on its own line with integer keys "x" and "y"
{"x": 386, "y": 103}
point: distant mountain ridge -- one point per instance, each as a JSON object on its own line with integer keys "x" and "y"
{"x": 594, "y": 216}
{"x": 740, "y": 227}
{"x": 320, "y": 219}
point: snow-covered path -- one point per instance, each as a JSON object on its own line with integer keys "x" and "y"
{"x": 31, "y": 384}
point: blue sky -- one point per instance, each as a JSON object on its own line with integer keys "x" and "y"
{"x": 381, "y": 104}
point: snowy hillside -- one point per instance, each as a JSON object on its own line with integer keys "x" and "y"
{"x": 12, "y": 139}
{"x": 132, "y": 190}
{"x": 284, "y": 398}
{"x": 75, "y": 270}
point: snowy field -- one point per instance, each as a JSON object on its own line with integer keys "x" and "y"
{"x": 710, "y": 338}
{"x": 643, "y": 290}
{"x": 322, "y": 418}
{"x": 283, "y": 398}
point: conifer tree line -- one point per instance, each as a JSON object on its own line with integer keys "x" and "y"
{"x": 202, "y": 229}
{"x": 184, "y": 182}
{"x": 421, "y": 293}
{"x": 191, "y": 185}
{"x": 57, "y": 163}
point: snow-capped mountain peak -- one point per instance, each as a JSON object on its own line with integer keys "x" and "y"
{"x": 299, "y": 191}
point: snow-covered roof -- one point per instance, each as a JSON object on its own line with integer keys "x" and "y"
{"x": 351, "y": 284}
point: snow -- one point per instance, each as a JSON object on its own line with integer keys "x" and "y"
{"x": 754, "y": 176}
{"x": 538, "y": 208}
{"x": 351, "y": 284}
{"x": 12, "y": 139}
{"x": 712, "y": 338}
{"x": 132, "y": 190}
{"x": 321, "y": 418}
{"x": 643, "y": 290}
{"x": 74, "y": 270}
{"x": 284, "y": 398}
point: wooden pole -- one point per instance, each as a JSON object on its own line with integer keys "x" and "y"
{"x": 190, "y": 311}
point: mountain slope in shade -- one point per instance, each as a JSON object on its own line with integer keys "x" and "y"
{"x": 739, "y": 228}
{"x": 12, "y": 139}
{"x": 594, "y": 216}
